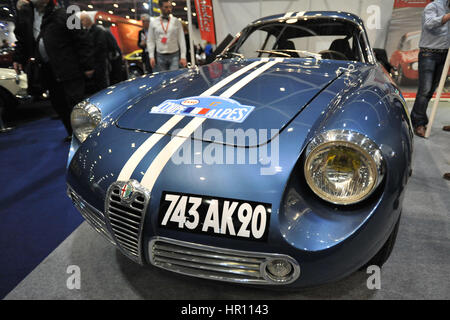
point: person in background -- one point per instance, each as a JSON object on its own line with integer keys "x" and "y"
{"x": 5, "y": 44}
{"x": 434, "y": 44}
{"x": 167, "y": 37}
{"x": 62, "y": 56}
{"x": 200, "y": 55}
{"x": 117, "y": 71}
{"x": 97, "y": 33}
{"x": 142, "y": 42}
{"x": 208, "y": 49}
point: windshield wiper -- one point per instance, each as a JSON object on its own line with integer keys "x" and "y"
{"x": 306, "y": 54}
{"x": 274, "y": 52}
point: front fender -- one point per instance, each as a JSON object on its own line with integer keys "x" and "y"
{"x": 371, "y": 105}
{"x": 115, "y": 100}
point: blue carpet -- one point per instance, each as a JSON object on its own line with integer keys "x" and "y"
{"x": 35, "y": 213}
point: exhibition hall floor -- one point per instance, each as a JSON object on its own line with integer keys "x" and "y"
{"x": 417, "y": 269}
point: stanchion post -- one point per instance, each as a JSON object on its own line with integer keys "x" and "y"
{"x": 191, "y": 33}
{"x": 438, "y": 94}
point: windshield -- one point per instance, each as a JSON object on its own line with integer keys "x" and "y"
{"x": 411, "y": 43}
{"x": 318, "y": 38}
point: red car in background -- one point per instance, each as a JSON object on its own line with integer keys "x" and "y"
{"x": 406, "y": 58}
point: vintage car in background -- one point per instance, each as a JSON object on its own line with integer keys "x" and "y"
{"x": 13, "y": 87}
{"x": 135, "y": 66}
{"x": 6, "y": 58}
{"x": 288, "y": 167}
{"x": 406, "y": 58}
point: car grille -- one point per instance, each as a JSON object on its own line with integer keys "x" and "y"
{"x": 125, "y": 218}
{"x": 213, "y": 263}
{"x": 93, "y": 216}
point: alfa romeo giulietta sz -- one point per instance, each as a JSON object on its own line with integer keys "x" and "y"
{"x": 283, "y": 162}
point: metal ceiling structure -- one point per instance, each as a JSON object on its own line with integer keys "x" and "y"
{"x": 126, "y": 8}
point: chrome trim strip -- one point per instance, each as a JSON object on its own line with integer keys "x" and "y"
{"x": 200, "y": 253}
{"x": 215, "y": 263}
{"x": 93, "y": 217}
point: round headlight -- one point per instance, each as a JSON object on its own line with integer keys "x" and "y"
{"x": 415, "y": 66}
{"x": 343, "y": 167}
{"x": 85, "y": 118}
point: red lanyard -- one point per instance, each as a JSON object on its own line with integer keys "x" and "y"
{"x": 162, "y": 25}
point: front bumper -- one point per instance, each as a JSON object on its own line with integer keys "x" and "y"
{"x": 204, "y": 257}
{"x": 125, "y": 232}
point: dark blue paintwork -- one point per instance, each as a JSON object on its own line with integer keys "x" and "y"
{"x": 328, "y": 241}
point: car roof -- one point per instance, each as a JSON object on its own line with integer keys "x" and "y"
{"x": 325, "y": 14}
{"x": 413, "y": 33}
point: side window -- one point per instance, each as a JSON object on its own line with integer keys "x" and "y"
{"x": 270, "y": 42}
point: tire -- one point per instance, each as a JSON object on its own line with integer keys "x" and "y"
{"x": 135, "y": 72}
{"x": 3, "y": 101}
{"x": 380, "y": 258}
{"x": 7, "y": 100}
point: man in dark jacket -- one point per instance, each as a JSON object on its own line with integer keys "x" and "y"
{"x": 64, "y": 56}
{"x": 117, "y": 71}
{"x": 142, "y": 42}
{"x": 99, "y": 41}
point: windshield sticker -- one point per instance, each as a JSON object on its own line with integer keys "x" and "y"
{"x": 212, "y": 107}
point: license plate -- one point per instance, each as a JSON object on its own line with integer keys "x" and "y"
{"x": 215, "y": 216}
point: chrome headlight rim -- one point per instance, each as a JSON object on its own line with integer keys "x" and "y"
{"x": 93, "y": 115}
{"x": 352, "y": 140}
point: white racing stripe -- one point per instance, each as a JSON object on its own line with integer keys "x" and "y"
{"x": 139, "y": 154}
{"x": 158, "y": 164}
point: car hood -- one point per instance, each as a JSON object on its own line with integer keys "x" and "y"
{"x": 269, "y": 100}
{"x": 410, "y": 56}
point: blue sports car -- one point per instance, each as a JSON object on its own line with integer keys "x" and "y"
{"x": 284, "y": 162}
